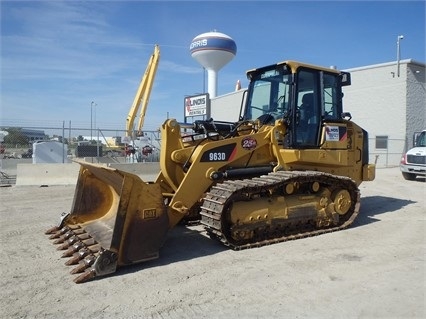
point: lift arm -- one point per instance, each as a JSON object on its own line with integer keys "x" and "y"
{"x": 143, "y": 93}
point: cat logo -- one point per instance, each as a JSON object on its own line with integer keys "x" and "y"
{"x": 149, "y": 213}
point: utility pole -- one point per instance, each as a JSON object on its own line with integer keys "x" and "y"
{"x": 398, "y": 53}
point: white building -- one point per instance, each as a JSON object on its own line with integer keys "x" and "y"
{"x": 389, "y": 107}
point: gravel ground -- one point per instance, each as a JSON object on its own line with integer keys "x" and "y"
{"x": 374, "y": 269}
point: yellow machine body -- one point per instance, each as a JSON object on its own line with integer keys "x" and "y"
{"x": 264, "y": 179}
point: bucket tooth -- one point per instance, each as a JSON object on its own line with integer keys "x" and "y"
{"x": 78, "y": 231}
{"x": 94, "y": 248}
{"x": 72, "y": 249}
{"x": 59, "y": 233}
{"x": 86, "y": 276}
{"x": 89, "y": 242}
{"x": 70, "y": 238}
{"x": 64, "y": 237}
{"x": 82, "y": 253}
{"x": 79, "y": 269}
{"x": 68, "y": 243}
{"x": 73, "y": 261}
{"x": 63, "y": 246}
{"x": 69, "y": 234}
{"x": 84, "y": 264}
{"x": 60, "y": 240}
{"x": 55, "y": 235}
{"x": 78, "y": 256}
{"x": 68, "y": 254}
{"x": 51, "y": 230}
{"x": 87, "y": 251}
{"x": 83, "y": 236}
{"x": 78, "y": 251}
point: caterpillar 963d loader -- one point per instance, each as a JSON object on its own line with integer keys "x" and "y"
{"x": 289, "y": 168}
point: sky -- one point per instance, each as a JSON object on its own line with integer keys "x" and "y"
{"x": 57, "y": 57}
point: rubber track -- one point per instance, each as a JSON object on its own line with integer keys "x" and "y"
{"x": 216, "y": 200}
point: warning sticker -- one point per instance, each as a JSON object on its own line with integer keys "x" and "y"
{"x": 335, "y": 133}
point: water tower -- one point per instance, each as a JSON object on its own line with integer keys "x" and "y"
{"x": 213, "y": 50}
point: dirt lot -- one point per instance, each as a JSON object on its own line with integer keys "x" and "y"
{"x": 375, "y": 269}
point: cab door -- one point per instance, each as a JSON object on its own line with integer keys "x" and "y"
{"x": 307, "y": 121}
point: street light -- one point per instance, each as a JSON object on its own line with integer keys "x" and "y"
{"x": 91, "y": 120}
{"x": 398, "y": 52}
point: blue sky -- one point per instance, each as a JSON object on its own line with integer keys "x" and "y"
{"x": 59, "y": 56}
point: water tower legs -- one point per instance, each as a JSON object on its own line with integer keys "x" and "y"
{"x": 212, "y": 83}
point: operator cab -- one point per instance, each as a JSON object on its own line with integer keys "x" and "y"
{"x": 303, "y": 96}
{"x": 268, "y": 94}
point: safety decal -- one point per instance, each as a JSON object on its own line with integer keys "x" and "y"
{"x": 222, "y": 153}
{"x": 249, "y": 143}
{"x": 335, "y": 133}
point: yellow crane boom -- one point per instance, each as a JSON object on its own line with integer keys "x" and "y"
{"x": 143, "y": 93}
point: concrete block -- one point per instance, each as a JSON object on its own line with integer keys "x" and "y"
{"x": 67, "y": 174}
{"x": 47, "y": 174}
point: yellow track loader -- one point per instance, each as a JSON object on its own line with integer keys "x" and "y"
{"x": 289, "y": 168}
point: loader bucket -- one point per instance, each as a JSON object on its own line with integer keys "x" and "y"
{"x": 116, "y": 219}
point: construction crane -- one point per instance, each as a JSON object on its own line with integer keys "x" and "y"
{"x": 142, "y": 95}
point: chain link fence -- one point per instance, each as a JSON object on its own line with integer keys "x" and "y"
{"x": 81, "y": 143}
{"x": 99, "y": 144}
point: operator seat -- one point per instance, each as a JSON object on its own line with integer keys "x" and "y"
{"x": 307, "y": 126}
{"x": 307, "y": 106}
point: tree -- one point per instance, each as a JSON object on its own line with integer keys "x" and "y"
{"x": 15, "y": 137}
